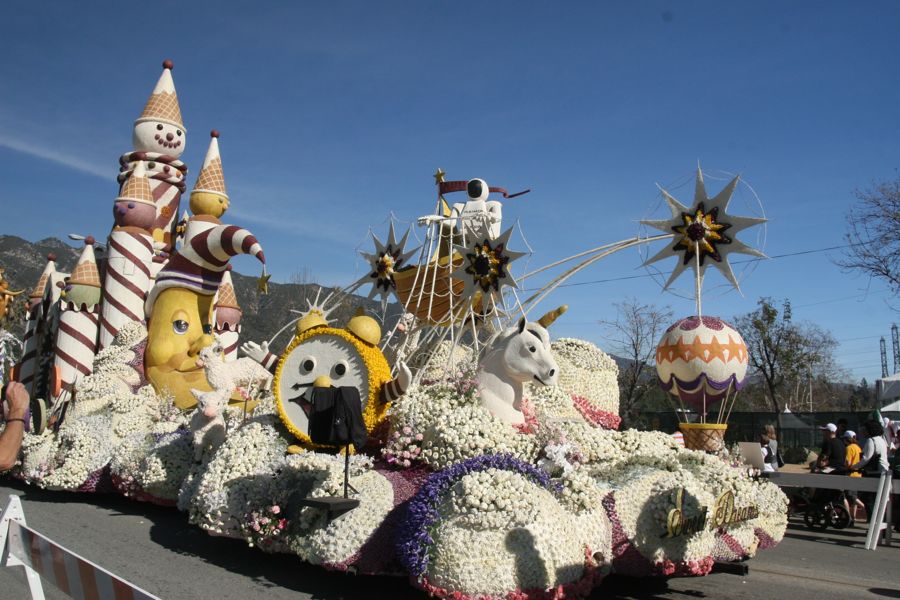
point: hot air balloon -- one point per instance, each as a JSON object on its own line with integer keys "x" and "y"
{"x": 702, "y": 362}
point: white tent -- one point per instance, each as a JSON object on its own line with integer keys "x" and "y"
{"x": 887, "y": 389}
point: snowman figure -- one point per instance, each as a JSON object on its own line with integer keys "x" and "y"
{"x": 159, "y": 128}
{"x": 159, "y": 138}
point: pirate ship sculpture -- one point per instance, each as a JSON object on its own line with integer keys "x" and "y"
{"x": 493, "y": 466}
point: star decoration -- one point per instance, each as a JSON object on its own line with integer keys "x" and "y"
{"x": 262, "y": 284}
{"x": 701, "y": 229}
{"x": 701, "y": 232}
{"x": 485, "y": 266}
{"x": 384, "y": 263}
{"x": 439, "y": 176}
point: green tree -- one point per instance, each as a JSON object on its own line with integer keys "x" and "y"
{"x": 789, "y": 358}
{"x": 861, "y": 397}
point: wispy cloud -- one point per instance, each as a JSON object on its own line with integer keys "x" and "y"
{"x": 55, "y": 156}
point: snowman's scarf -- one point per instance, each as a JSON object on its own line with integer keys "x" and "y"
{"x": 161, "y": 167}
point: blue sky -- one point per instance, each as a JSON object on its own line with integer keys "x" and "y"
{"x": 335, "y": 114}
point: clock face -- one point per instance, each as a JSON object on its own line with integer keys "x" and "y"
{"x": 324, "y": 354}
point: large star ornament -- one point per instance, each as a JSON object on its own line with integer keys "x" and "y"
{"x": 705, "y": 231}
{"x": 387, "y": 260}
{"x": 485, "y": 265}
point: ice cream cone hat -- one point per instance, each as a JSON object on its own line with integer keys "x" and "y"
{"x": 86, "y": 272}
{"x": 209, "y": 196}
{"x": 163, "y": 103}
{"x": 211, "y": 178}
{"x": 83, "y": 288}
{"x": 227, "y": 297}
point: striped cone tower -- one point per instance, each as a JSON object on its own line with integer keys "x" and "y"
{"x": 27, "y": 368}
{"x": 129, "y": 264}
{"x": 79, "y": 321}
{"x": 227, "y": 319}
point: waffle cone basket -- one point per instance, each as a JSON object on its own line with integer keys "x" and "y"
{"x": 709, "y": 437}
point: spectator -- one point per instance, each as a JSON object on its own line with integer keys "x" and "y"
{"x": 769, "y": 430}
{"x": 854, "y": 452}
{"x": 833, "y": 454}
{"x": 890, "y": 432}
{"x": 874, "y": 460}
{"x": 767, "y": 454}
{"x": 11, "y": 438}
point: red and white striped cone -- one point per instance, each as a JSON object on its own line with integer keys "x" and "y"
{"x": 129, "y": 259}
{"x": 35, "y": 327}
{"x": 27, "y": 367}
{"x": 76, "y": 344}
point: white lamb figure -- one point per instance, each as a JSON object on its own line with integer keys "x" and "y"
{"x": 224, "y": 377}
{"x": 208, "y": 424}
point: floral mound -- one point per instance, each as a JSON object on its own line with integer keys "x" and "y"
{"x": 465, "y": 504}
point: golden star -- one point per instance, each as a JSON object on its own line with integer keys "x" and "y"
{"x": 439, "y": 176}
{"x": 262, "y": 284}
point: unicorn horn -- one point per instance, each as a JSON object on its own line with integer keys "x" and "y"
{"x": 547, "y": 320}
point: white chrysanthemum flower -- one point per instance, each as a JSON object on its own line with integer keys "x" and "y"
{"x": 471, "y": 431}
{"x": 81, "y": 451}
{"x": 313, "y": 537}
{"x": 500, "y": 532}
{"x": 586, "y": 371}
{"x": 240, "y": 475}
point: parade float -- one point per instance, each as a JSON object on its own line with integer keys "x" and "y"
{"x": 463, "y": 447}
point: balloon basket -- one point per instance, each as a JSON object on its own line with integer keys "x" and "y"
{"x": 709, "y": 437}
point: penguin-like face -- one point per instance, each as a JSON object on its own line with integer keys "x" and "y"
{"x": 157, "y": 136}
{"x": 477, "y": 189}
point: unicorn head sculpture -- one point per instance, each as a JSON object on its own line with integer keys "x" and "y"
{"x": 517, "y": 356}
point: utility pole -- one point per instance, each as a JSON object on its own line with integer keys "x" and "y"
{"x": 884, "y": 369}
{"x": 895, "y": 338}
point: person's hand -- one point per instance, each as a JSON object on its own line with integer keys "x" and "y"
{"x": 17, "y": 397}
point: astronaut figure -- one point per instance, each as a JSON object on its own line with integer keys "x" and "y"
{"x": 478, "y": 218}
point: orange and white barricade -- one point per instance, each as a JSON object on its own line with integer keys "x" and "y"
{"x": 75, "y": 576}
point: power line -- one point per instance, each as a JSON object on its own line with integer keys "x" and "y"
{"x": 737, "y": 262}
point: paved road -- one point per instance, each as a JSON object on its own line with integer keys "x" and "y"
{"x": 158, "y": 550}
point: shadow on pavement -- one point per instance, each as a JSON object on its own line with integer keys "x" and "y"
{"x": 639, "y": 588}
{"x": 885, "y": 592}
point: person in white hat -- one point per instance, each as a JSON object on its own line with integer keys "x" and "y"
{"x": 833, "y": 455}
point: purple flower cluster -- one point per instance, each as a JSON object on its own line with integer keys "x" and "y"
{"x": 414, "y": 537}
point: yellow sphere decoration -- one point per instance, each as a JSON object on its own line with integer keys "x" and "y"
{"x": 314, "y": 318}
{"x": 345, "y": 359}
{"x": 365, "y": 328}
{"x": 208, "y": 203}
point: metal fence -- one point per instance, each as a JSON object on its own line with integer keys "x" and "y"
{"x": 795, "y": 430}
